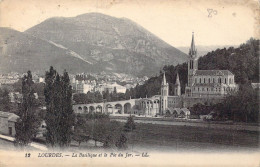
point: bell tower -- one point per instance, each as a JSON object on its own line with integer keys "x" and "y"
{"x": 177, "y": 89}
{"x": 193, "y": 61}
{"x": 164, "y": 95}
{"x": 192, "y": 66}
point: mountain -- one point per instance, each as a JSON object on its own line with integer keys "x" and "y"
{"x": 20, "y": 52}
{"x": 107, "y": 43}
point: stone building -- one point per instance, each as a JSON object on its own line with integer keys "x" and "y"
{"x": 207, "y": 83}
{"x": 7, "y": 123}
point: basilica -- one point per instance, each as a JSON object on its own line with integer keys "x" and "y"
{"x": 204, "y": 86}
{"x": 209, "y": 83}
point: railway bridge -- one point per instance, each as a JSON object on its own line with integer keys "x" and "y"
{"x": 116, "y": 107}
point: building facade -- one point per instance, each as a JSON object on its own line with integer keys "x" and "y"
{"x": 207, "y": 83}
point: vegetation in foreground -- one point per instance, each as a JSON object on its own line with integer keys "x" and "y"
{"x": 240, "y": 106}
{"x": 100, "y": 128}
{"x": 28, "y": 122}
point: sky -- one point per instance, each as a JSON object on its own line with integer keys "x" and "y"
{"x": 220, "y": 22}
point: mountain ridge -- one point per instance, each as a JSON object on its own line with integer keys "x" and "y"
{"x": 105, "y": 43}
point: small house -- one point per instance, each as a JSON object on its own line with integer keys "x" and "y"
{"x": 7, "y": 123}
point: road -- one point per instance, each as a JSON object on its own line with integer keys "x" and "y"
{"x": 33, "y": 144}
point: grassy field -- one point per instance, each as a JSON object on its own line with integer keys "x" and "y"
{"x": 186, "y": 138}
{"x": 171, "y": 138}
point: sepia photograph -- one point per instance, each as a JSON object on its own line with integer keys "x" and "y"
{"x": 129, "y": 83}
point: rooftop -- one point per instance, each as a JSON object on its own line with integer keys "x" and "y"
{"x": 11, "y": 116}
{"x": 213, "y": 72}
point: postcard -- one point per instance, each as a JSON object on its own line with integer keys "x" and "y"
{"x": 129, "y": 83}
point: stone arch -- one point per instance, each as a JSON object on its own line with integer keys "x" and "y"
{"x": 167, "y": 113}
{"x": 150, "y": 104}
{"x": 143, "y": 104}
{"x": 182, "y": 114}
{"x": 99, "y": 109}
{"x": 91, "y": 109}
{"x": 80, "y": 109}
{"x": 156, "y": 105}
{"x": 85, "y": 108}
{"x": 119, "y": 108}
{"x": 109, "y": 109}
{"x": 127, "y": 108}
{"x": 175, "y": 114}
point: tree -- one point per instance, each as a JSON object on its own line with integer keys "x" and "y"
{"x": 52, "y": 117}
{"x": 59, "y": 117}
{"x": 17, "y": 86}
{"x": 67, "y": 115}
{"x": 5, "y": 104}
{"x": 79, "y": 133}
{"x": 28, "y": 123}
{"x": 99, "y": 128}
{"x": 130, "y": 124}
{"x": 242, "y": 105}
{"x": 80, "y": 98}
{"x": 127, "y": 94}
{"x": 128, "y": 127}
{"x": 114, "y": 132}
{"x": 121, "y": 143}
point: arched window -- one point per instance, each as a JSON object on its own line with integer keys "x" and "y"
{"x": 209, "y": 80}
{"x": 204, "y": 80}
{"x": 200, "y": 80}
{"x": 195, "y": 80}
{"x": 225, "y": 80}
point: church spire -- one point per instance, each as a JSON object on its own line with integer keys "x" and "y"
{"x": 177, "y": 79}
{"x": 192, "y": 47}
{"x": 177, "y": 89}
{"x": 164, "y": 79}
